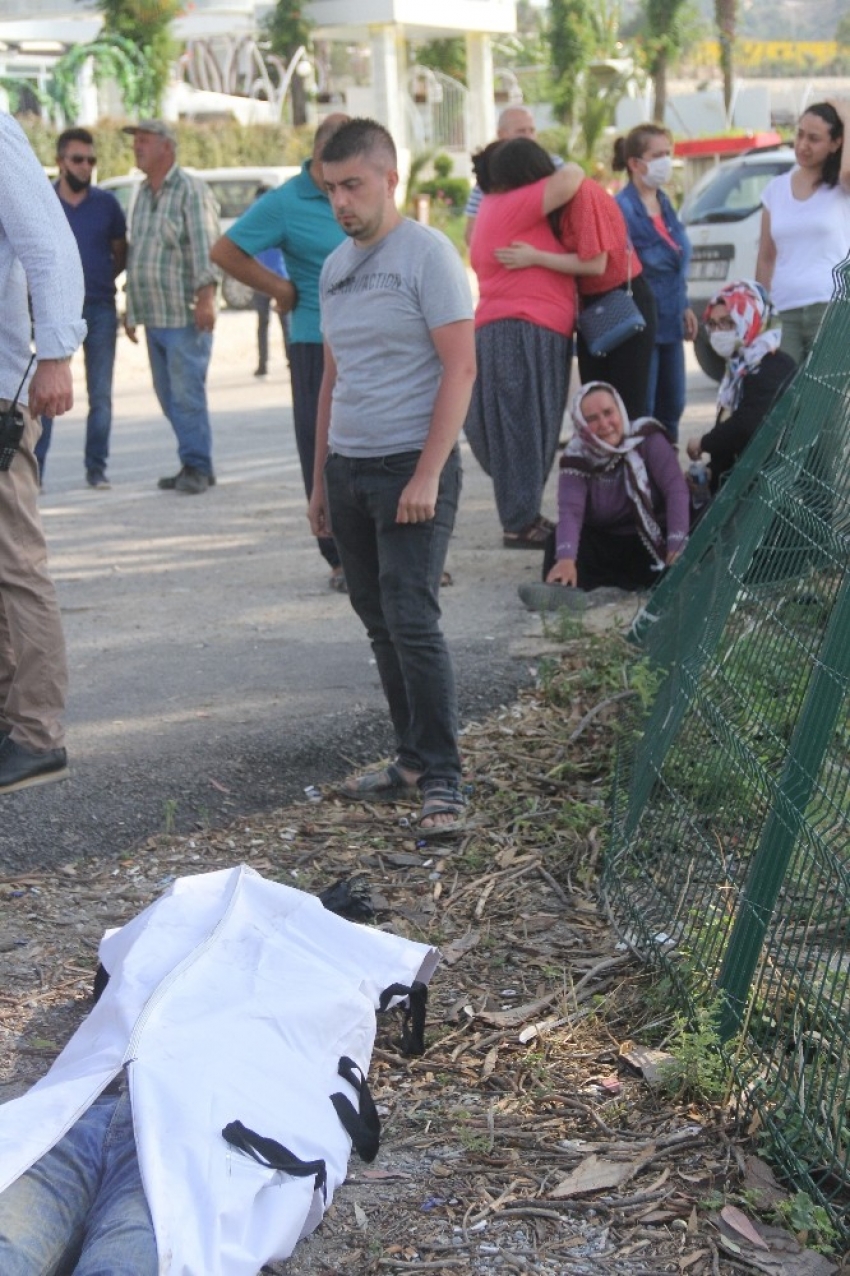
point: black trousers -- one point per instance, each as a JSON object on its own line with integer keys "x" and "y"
{"x": 606, "y": 559}
{"x": 626, "y": 368}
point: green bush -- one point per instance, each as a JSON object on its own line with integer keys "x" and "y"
{"x": 212, "y": 144}
{"x": 451, "y": 191}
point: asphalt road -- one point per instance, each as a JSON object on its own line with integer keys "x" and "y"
{"x": 213, "y": 673}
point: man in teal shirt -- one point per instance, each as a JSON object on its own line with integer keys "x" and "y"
{"x": 296, "y": 218}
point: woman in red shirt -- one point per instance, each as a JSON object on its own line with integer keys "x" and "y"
{"x": 592, "y": 229}
{"x": 523, "y": 335}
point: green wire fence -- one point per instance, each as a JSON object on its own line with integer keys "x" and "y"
{"x": 729, "y": 862}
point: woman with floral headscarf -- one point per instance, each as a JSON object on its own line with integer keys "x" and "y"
{"x": 757, "y": 372}
{"x": 623, "y": 505}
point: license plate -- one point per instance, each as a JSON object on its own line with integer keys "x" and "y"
{"x": 708, "y": 269}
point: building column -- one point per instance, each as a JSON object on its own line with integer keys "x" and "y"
{"x": 479, "y": 73}
{"x": 388, "y": 72}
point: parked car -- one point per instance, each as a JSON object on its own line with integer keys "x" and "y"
{"x": 722, "y": 215}
{"x": 234, "y": 190}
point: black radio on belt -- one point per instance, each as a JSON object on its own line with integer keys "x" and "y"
{"x": 12, "y": 427}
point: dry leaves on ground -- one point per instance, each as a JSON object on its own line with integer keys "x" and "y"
{"x": 520, "y": 1141}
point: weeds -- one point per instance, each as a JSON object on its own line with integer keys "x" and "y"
{"x": 697, "y": 1071}
{"x": 810, "y": 1222}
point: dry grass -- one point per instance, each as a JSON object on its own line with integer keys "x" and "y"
{"x": 485, "y": 1164}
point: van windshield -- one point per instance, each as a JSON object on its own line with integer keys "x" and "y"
{"x": 733, "y": 194}
{"x": 233, "y": 195}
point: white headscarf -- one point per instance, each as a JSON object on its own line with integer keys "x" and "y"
{"x": 599, "y": 455}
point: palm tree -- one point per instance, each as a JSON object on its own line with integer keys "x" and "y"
{"x": 725, "y": 13}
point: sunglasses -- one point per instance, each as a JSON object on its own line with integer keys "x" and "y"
{"x": 82, "y": 159}
{"x": 719, "y": 325}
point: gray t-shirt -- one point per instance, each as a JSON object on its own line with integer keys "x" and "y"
{"x": 379, "y": 305}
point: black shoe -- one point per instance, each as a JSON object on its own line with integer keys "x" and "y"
{"x": 98, "y": 481}
{"x": 261, "y": 371}
{"x": 192, "y": 482}
{"x": 20, "y": 768}
{"x": 171, "y": 483}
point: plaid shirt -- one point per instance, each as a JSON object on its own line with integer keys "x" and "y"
{"x": 171, "y": 233}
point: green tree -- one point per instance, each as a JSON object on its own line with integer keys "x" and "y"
{"x": 448, "y": 56}
{"x": 571, "y": 46}
{"x": 726, "y": 17}
{"x": 145, "y": 24}
{"x": 666, "y": 27}
{"x": 287, "y": 29}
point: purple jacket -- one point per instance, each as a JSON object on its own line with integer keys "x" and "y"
{"x": 599, "y": 499}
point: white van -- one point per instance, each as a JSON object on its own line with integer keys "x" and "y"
{"x": 722, "y": 215}
{"x": 234, "y": 190}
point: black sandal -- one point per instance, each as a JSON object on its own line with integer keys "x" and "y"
{"x": 534, "y": 536}
{"x": 442, "y": 798}
{"x": 385, "y": 784}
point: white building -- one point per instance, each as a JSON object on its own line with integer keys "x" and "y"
{"x": 34, "y": 33}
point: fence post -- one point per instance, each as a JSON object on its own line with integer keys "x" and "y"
{"x": 812, "y": 734}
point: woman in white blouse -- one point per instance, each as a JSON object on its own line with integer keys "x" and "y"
{"x": 805, "y": 229}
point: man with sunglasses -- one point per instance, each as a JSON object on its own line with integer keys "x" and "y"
{"x": 100, "y": 230}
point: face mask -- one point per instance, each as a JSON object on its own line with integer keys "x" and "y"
{"x": 724, "y": 343}
{"x": 658, "y": 172}
{"x": 76, "y": 184}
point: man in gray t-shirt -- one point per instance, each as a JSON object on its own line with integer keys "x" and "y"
{"x": 399, "y": 370}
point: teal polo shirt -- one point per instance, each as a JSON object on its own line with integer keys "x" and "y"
{"x": 295, "y": 217}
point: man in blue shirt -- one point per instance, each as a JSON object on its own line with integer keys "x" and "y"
{"x": 296, "y": 218}
{"x": 100, "y": 230}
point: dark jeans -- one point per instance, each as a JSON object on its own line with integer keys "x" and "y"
{"x": 393, "y": 572}
{"x": 667, "y": 386}
{"x": 263, "y": 307}
{"x": 306, "y": 367}
{"x": 627, "y": 367}
{"x": 99, "y": 354}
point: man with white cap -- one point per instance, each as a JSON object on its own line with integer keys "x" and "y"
{"x": 171, "y": 285}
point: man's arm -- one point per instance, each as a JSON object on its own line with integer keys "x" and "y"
{"x": 42, "y": 240}
{"x": 316, "y": 511}
{"x": 203, "y": 230}
{"x": 118, "y": 248}
{"x": 234, "y": 261}
{"x": 51, "y": 391}
{"x": 455, "y": 346}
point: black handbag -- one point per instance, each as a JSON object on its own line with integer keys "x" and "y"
{"x": 607, "y": 321}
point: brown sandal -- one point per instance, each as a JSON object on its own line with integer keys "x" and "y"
{"x": 534, "y": 536}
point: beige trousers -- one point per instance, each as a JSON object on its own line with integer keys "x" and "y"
{"x": 33, "y": 665}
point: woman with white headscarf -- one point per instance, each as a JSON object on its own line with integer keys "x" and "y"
{"x": 623, "y": 505}
{"x": 757, "y": 371}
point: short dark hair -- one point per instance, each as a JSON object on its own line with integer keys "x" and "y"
{"x": 73, "y": 135}
{"x": 825, "y": 111}
{"x": 360, "y": 137}
{"x": 519, "y": 162}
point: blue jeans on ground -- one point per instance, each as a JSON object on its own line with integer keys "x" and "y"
{"x": 99, "y": 355}
{"x": 667, "y": 386}
{"x": 179, "y": 359}
{"x": 393, "y": 572}
{"x": 82, "y": 1207}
